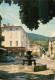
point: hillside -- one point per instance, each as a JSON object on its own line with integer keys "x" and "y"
{"x": 37, "y": 37}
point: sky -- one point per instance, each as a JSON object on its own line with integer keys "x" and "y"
{"x": 10, "y": 14}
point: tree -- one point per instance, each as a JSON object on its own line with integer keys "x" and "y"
{"x": 34, "y": 10}
{"x": 1, "y": 37}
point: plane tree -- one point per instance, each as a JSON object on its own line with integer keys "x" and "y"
{"x": 33, "y": 11}
{"x": 1, "y": 37}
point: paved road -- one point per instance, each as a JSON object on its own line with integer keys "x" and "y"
{"x": 13, "y": 69}
{"x": 50, "y": 63}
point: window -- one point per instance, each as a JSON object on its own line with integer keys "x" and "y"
{"x": 16, "y": 28}
{"x": 10, "y": 28}
{"x": 16, "y": 43}
{"x": 10, "y": 43}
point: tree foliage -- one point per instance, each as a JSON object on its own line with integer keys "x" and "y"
{"x": 44, "y": 44}
{"x": 31, "y": 11}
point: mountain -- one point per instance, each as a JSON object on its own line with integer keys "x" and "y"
{"x": 37, "y": 37}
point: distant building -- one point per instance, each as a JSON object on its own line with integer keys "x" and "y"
{"x": 15, "y": 38}
{"x": 51, "y": 50}
{"x": 36, "y": 48}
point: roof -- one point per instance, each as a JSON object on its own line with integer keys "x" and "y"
{"x": 13, "y": 26}
{"x": 51, "y": 39}
{"x": 33, "y": 45}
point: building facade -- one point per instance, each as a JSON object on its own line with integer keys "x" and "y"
{"x": 14, "y": 38}
{"x": 51, "y": 50}
{"x": 36, "y": 48}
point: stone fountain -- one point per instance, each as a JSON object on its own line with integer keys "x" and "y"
{"x": 29, "y": 64}
{"x": 29, "y": 59}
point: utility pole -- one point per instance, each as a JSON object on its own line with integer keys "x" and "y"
{"x": 1, "y": 37}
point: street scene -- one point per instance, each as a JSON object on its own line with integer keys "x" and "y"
{"x": 27, "y": 39}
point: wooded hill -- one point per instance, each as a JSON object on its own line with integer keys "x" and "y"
{"x": 37, "y": 37}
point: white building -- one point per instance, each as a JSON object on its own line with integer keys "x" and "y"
{"x": 51, "y": 50}
{"x": 14, "y": 38}
{"x": 36, "y": 48}
{"x": 27, "y": 43}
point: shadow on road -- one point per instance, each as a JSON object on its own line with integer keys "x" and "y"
{"x": 24, "y": 76}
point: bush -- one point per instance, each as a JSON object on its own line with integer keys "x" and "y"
{"x": 53, "y": 58}
{"x": 35, "y": 53}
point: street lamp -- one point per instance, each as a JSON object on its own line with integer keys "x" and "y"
{"x": 1, "y": 37}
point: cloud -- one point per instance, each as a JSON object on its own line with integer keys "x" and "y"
{"x": 53, "y": 34}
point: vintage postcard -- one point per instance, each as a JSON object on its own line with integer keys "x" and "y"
{"x": 27, "y": 39}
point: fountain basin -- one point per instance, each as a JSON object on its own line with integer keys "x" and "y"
{"x": 33, "y": 68}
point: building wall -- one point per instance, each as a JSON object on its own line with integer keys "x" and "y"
{"x": 23, "y": 38}
{"x": 27, "y": 43}
{"x": 12, "y": 35}
{"x": 15, "y": 33}
{"x": 52, "y": 47}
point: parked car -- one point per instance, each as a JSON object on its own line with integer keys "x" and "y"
{"x": 7, "y": 59}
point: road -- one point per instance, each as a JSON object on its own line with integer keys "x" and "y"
{"x": 50, "y": 63}
{"x": 11, "y": 70}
